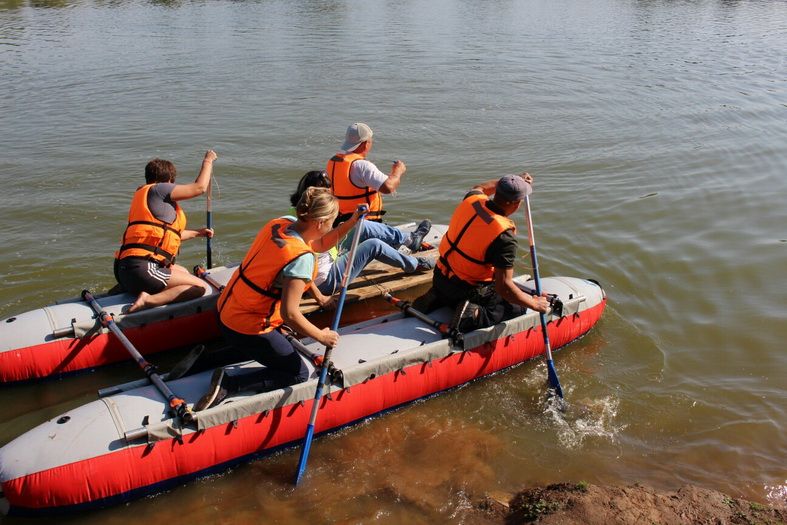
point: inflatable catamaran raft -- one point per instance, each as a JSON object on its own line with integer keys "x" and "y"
{"x": 66, "y": 337}
{"x": 127, "y": 444}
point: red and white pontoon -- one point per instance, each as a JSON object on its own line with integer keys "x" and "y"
{"x": 127, "y": 444}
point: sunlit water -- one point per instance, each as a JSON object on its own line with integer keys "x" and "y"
{"x": 657, "y": 133}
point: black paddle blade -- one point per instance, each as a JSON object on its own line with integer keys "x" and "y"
{"x": 184, "y": 365}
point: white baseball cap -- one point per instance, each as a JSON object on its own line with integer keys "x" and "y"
{"x": 356, "y": 134}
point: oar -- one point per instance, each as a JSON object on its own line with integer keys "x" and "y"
{"x": 209, "y": 221}
{"x": 315, "y": 358}
{"x": 178, "y": 406}
{"x": 553, "y": 380}
{"x": 443, "y": 328}
{"x": 554, "y": 301}
{"x": 307, "y": 440}
{"x": 203, "y": 274}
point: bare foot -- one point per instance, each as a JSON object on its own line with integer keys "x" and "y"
{"x": 139, "y": 304}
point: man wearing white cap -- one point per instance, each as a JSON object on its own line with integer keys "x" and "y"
{"x": 355, "y": 180}
{"x": 475, "y": 270}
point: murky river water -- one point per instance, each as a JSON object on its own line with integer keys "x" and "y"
{"x": 657, "y": 133}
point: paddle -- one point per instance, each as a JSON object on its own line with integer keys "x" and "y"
{"x": 307, "y": 440}
{"x": 209, "y": 221}
{"x": 315, "y": 358}
{"x": 455, "y": 335}
{"x": 179, "y": 370}
{"x": 178, "y": 405}
{"x": 203, "y": 274}
{"x": 553, "y": 380}
{"x": 554, "y": 301}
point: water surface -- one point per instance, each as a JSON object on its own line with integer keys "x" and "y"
{"x": 656, "y": 131}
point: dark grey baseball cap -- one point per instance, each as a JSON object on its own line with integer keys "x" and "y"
{"x": 512, "y": 188}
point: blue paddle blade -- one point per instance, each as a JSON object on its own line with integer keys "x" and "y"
{"x": 553, "y": 380}
{"x": 304, "y": 453}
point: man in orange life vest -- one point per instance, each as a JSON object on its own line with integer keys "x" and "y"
{"x": 355, "y": 181}
{"x": 474, "y": 273}
{"x": 145, "y": 263}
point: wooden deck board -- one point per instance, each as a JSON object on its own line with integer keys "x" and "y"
{"x": 376, "y": 279}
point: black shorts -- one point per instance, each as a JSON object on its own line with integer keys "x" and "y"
{"x": 138, "y": 274}
{"x": 452, "y": 292}
{"x": 284, "y": 365}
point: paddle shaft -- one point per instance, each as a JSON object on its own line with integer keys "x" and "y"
{"x": 315, "y": 358}
{"x": 554, "y": 301}
{"x": 209, "y": 224}
{"x": 307, "y": 440}
{"x": 177, "y": 404}
{"x": 405, "y": 306}
{"x": 203, "y": 274}
{"x": 553, "y": 379}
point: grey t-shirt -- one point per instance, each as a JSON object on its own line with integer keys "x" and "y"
{"x": 160, "y": 204}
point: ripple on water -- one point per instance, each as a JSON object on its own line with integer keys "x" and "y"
{"x": 656, "y": 134}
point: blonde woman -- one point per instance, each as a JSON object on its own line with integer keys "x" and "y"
{"x": 265, "y": 292}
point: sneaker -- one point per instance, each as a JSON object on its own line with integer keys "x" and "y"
{"x": 216, "y": 392}
{"x": 465, "y": 317}
{"x": 414, "y": 244}
{"x": 425, "y": 263}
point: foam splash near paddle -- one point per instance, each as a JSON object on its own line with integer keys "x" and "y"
{"x": 776, "y": 494}
{"x": 582, "y": 419}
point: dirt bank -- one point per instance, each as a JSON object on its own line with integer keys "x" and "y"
{"x": 586, "y": 504}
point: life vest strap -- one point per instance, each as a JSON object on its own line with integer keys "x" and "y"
{"x": 480, "y": 213}
{"x": 161, "y": 225}
{"x": 155, "y": 250}
{"x": 455, "y": 248}
{"x": 375, "y": 216}
{"x": 367, "y": 193}
{"x": 454, "y": 245}
{"x": 255, "y": 287}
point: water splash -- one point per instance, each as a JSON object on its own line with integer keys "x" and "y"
{"x": 776, "y": 494}
{"x": 457, "y": 506}
{"x": 582, "y": 419}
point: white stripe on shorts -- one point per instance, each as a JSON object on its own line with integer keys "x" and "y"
{"x": 155, "y": 272}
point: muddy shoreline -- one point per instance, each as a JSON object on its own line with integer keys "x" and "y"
{"x": 587, "y": 504}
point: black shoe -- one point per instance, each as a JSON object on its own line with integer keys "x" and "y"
{"x": 465, "y": 317}
{"x": 216, "y": 392}
{"x": 425, "y": 263}
{"x": 414, "y": 244}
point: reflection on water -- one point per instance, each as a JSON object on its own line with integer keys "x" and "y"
{"x": 656, "y": 134}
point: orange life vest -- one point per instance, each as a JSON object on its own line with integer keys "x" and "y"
{"x": 472, "y": 229}
{"x": 147, "y": 236}
{"x": 250, "y": 303}
{"x": 348, "y": 194}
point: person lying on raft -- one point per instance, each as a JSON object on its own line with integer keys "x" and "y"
{"x": 145, "y": 263}
{"x": 378, "y": 242}
{"x": 265, "y": 293}
{"x": 475, "y": 269}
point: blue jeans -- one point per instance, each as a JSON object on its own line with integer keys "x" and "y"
{"x": 378, "y": 242}
{"x": 393, "y": 237}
